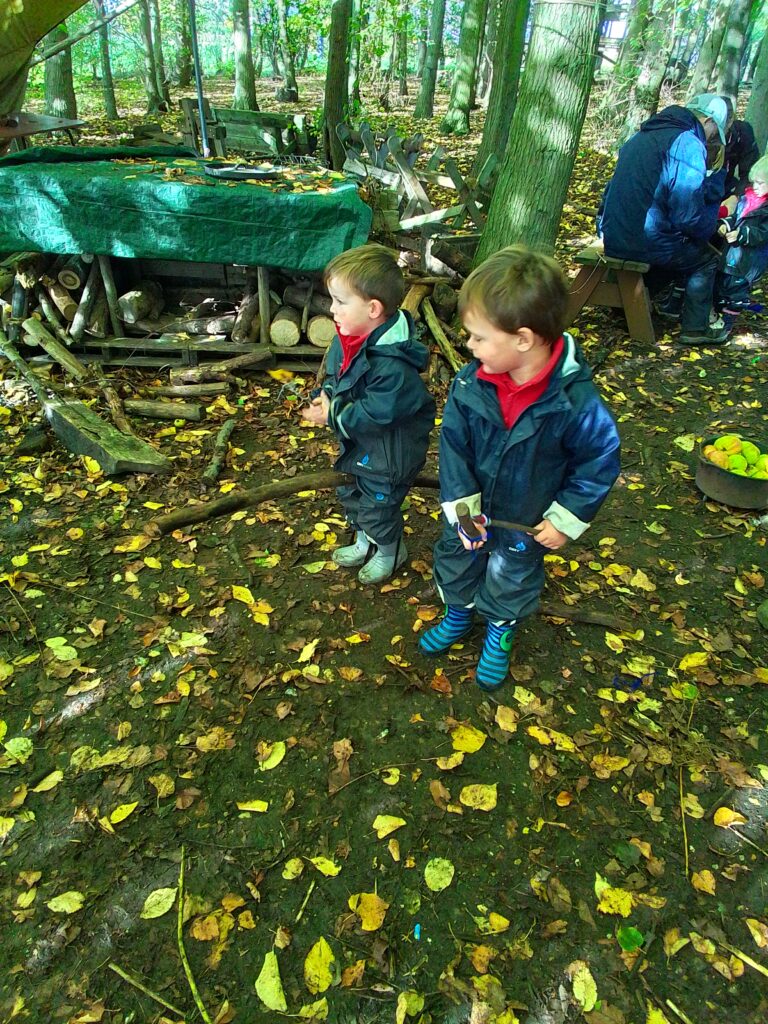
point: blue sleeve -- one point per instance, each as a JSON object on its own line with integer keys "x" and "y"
{"x": 593, "y": 447}
{"x": 692, "y": 210}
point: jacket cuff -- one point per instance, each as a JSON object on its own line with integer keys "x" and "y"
{"x": 474, "y": 502}
{"x": 564, "y": 521}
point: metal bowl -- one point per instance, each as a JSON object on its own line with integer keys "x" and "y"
{"x": 728, "y": 488}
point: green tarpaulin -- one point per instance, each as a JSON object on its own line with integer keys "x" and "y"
{"x": 70, "y": 200}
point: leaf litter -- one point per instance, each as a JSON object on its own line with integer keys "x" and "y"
{"x": 595, "y": 842}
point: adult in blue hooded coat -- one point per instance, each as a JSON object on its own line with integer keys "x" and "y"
{"x": 661, "y": 207}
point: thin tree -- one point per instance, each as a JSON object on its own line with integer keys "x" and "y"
{"x": 757, "y": 108}
{"x": 107, "y": 83}
{"x": 359, "y": 18}
{"x": 710, "y": 49}
{"x": 538, "y": 162}
{"x": 155, "y": 101}
{"x": 290, "y": 90}
{"x": 401, "y": 48}
{"x": 157, "y": 51}
{"x": 184, "y": 53}
{"x": 423, "y": 35}
{"x": 426, "y": 98}
{"x": 508, "y": 59}
{"x": 60, "y": 98}
{"x": 658, "y": 39}
{"x": 245, "y": 83}
{"x": 487, "y": 54}
{"x": 734, "y": 41}
{"x": 335, "y": 103}
{"x": 456, "y": 119}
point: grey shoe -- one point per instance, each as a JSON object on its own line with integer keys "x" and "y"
{"x": 714, "y": 334}
{"x": 386, "y": 561}
{"x": 353, "y": 554}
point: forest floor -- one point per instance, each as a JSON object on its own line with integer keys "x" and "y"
{"x": 352, "y": 816}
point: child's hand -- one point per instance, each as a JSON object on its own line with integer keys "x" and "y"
{"x": 731, "y": 236}
{"x": 317, "y": 411}
{"x": 474, "y": 543}
{"x": 548, "y": 536}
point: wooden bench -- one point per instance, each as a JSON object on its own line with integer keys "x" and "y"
{"x": 605, "y": 281}
{"x": 261, "y": 133}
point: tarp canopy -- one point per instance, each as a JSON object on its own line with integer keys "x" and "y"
{"x": 159, "y": 204}
{"x": 23, "y": 23}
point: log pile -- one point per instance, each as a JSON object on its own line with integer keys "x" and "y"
{"x": 272, "y": 319}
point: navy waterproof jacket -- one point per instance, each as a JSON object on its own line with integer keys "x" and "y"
{"x": 659, "y": 206}
{"x": 748, "y": 256}
{"x": 380, "y": 408}
{"x": 558, "y": 461}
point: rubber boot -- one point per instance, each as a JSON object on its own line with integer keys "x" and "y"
{"x": 353, "y": 554}
{"x": 494, "y": 661}
{"x": 455, "y": 624}
{"x": 386, "y": 561}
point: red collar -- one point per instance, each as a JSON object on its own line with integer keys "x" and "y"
{"x": 350, "y": 346}
{"x": 514, "y": 398}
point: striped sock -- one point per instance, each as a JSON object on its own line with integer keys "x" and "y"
{"x": 455, "y": 624}
{"x": 494, "y": 661}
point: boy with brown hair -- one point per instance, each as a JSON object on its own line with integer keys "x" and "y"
{"x": 376, "y": 403}
{"x": 526, "y": 438}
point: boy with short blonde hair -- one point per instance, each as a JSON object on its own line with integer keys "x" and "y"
{"x": 376, "y": 403}
{"x": 525, "y": 438}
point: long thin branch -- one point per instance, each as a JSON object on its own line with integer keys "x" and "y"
{"x": 92, "y": 26}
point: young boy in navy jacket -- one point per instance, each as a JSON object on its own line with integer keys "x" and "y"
{"x": 526, "y": 438}
{"x": 376, "y": 403}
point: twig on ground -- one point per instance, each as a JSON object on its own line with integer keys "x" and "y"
{"x": 143, "y": 988}
{"x": 182, "y": 952}
{"x": 682, "y": 817}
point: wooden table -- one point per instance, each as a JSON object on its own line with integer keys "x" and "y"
{"x": 19, "y": 127}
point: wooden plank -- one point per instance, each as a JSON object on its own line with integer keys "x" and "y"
{"x": 476, "y": 215}
{"x": 435, "y": 217}
{"x": 413, "y": 186}
{"x": 585, "y": 282}
{"x": 262, "y": 277}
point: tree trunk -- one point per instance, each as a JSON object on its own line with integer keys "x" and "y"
{"x": 245, "y": 84}
{"x": 757, "y": 108}
{"x": 59, "y": 87}
{"x": 426, "y": 98}
{"x": 184, "y": 70}
{"x": 754, "y": 57}
{"x": 290, "y": 91}
{"x": 644, "y": 94}
{"x": 710, "y": 49}
{"x": 456, "y": 120}
{"x": 423, "y": 33}
{"x": 632, "y": 46}
{"x": 734, "y": 41}
{"x": 554, "y": 92}
{"x": 358, "y": 19}
{"x": 155, "y": 101}
{"x": 157, "y": 51}
{"x": 336, "y": 99}
{"x": 490, "y": 11}
{"x": 513, "y": 18}
{"x": 487, "y": 54}
{"x": 107, "y": 83}
{"x": 401, "y": 49}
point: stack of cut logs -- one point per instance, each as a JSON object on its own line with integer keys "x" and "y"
{"x": 76, "y": 299}
{"x": 44, "y": 313}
